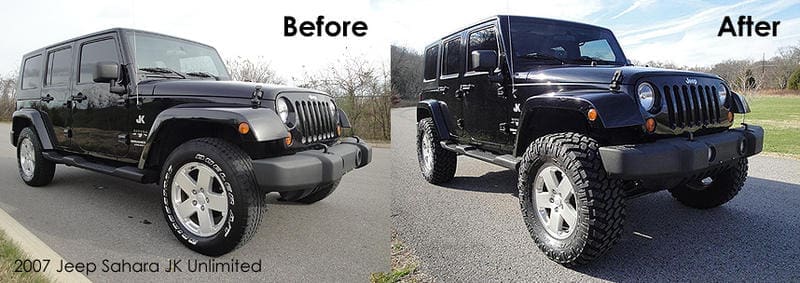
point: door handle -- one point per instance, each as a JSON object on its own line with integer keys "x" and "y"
{"x": 79, "y": 97}
{"x": 47, "y": 98}
{"x": 466, "y": 87}
{"x": 463, "y": 90}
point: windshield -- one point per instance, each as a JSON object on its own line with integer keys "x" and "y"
{"x": 165, "y": 53}
{"x": 537, "y": 42}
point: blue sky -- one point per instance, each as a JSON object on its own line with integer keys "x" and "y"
{"x": 683, "y": 32}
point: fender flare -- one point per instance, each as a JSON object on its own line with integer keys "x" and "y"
{"x": 440, "y": 114}
{"x": 738, "y": 103}
{"x": 33, "y": 116}
{"x": 616, "y": 110}
{"x": 265, "y": 125}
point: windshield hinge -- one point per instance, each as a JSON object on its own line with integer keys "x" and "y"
{"x": 255, "y": 101}
{"x": 616, "y": 81}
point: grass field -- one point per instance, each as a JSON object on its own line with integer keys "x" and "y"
{"x": 9, "y": 252}
{"x": 780, "y": 117}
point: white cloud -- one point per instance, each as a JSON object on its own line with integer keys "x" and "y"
{"x": 634, "y": 6}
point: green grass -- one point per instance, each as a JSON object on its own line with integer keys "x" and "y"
{"x": 393, "y": 276}
{"x": 780, "y": 117}
{"x": 9, "y": 252}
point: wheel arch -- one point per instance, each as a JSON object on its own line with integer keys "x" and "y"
{"x": 567, "y": 112}
{"x": 175, "y": 126}
{"x": 30, "y": 117}
{"x": 439, "y": 113}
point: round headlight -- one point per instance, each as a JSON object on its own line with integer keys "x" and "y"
{"x": 722, "y": 93}
{"x": 646, "y": 95}
{"x": 282, "y": 108}
{"x": 332, "y": 108}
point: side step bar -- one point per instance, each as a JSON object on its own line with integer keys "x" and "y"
{"x": 505, "y": 160}
{"x": 126, "y": 172}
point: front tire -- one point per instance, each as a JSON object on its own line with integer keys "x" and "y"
{"x": 437, "y": 164}
{"x": 211, "y": 200}
{"x": 714, "y": 190}
{"x": 34, "y": 169}
{"x": 573, "y": 210}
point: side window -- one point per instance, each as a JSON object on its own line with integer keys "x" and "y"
{"x": 59, "y": 67}
{"x": 485, "y": 39}
{"x": 32, "y": 72}
{"x": 94, "y": 52}
{"x": 431, "y": 58}
{"x": 453, "y": 57}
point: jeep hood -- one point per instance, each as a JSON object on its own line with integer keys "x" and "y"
{"x": 232, "y": 89}
{"x": 598, "y": 74}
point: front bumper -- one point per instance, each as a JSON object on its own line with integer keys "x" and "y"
{"x": 681, "y": 156}
{"x": 308, "y": 169}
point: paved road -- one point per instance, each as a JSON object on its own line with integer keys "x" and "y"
{"x": 472, "y": 230}
{"x": 86, "y": 216}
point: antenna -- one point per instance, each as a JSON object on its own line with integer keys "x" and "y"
{"x": 135, "y": 68}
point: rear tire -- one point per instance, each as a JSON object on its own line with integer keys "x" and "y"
{"x": 723, "y": 186}
{"x": 211, "y": 200}
{"x": 437, "y": 164}
{"x": 573, "y": 210}
{"x": 34, "y": 169}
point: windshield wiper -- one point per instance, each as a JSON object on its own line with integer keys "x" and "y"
{"x": 539, "y": 56}
{"x": 593, "y": 60}
{"x": 162, "y": 70}
{"x": 202, "y": 75}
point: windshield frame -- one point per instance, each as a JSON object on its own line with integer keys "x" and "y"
{"x": 519, "y": 63}
{"x": 224, "y": 74}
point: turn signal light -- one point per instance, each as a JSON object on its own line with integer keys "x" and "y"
{"x": 244, "y": 128}
{"x": 288, "y": 140}
{"x": 730, "y": 116}
{"x": 591, "y": 115}
{"x": 338, "y": 130}
{"x": 650, "y": 125}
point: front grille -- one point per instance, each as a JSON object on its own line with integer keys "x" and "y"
{"x": 691, "y": 106}
{"x": 315, "y": 121}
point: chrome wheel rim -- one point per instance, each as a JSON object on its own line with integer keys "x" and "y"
{"x": 427, "y": 153}
{"x": 199, "y": 199}
{"x": 556, "y": 204}
{"x": 27, "y": 158}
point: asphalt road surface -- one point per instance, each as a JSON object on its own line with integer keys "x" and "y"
{"x": 472, "y": 230}
{"x": 90, "y": 217}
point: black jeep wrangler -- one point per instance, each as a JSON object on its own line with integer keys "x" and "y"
{"x": 158, "y": 109}
{"x": 559, "y": 102}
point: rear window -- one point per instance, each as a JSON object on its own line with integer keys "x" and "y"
{"x": 431, "y": 57}
{"x": 59, "y": 67}
{"x": 453, "y": 57}
{"x": 32, "y": 72}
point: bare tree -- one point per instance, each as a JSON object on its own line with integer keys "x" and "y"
{"x": 8, "y": 88}
{"x": 406, "y": 72}
{"x": 362, "y": 89}
{"x": 247, "y": 70}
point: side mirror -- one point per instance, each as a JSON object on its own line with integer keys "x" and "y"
{"x": 106, "y": 72}
{"x": 483, "y": 60}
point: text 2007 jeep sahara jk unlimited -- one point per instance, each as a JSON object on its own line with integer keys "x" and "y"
{"x": 158, "y": 109}
{"x": 558, "y": 102}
